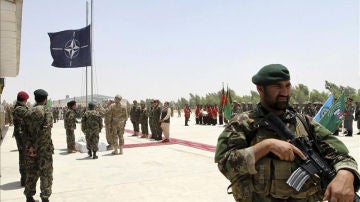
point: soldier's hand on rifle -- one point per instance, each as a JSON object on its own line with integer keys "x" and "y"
{"x": 341, "y": 188}
{"x": 282, "y": 149}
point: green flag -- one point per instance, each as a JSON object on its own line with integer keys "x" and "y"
{"x": 227, "y": 107}
{"x": 333, "y": 117}
{"x": 48, "y": 103}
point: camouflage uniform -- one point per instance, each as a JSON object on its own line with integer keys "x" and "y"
{"x": 144, "y": 114}
{"x": 151, "y": 121}
{"x": 91, "y": 125}
{"x": 107, "y": 119}
{"x": 266, "y": 179}
{"x": 156, "y": 123}
{"x": 19, "y": 127}
{"x": 38, "y": 124}
{"x": 70, "y": 126}
{"x": 134, "y": 117}
{"x": 118, "y": 118}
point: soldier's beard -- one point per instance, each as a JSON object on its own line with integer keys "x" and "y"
{"x": 277, "y": 104}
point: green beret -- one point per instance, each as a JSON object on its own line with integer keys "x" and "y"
{"x": 40, "y": 95}
{"x": 271, "y": 74}
{"x": 91, "y": 104}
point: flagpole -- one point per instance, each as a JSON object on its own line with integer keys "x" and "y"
{"x": 92, "y": 51}
{"x": 86, "y": 68}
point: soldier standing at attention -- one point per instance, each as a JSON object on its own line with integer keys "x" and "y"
{"x": 70, "y": 126}
{"x": 107, "y": 120}
{"x": 258, "y": 161}
{"x": 91, "y": 125}
{"x": 20, "y": 110}
{"x": 144, "y": 114}
{"x": 39, "y": 162}
{"x": 349, "y": 117}
{"x": 134, "y": 117}
{"x": 118, "y": 118}
{"x": 151, "y": 119}
{"x": 156, "y": 121}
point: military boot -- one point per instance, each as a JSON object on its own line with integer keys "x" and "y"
{"x": 30, "y": 199}
{"x": 121, "y": 150}
{"x": 94, "y": 156}
{"x": 89, "y": 152}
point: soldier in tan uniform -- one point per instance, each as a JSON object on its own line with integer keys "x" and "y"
{"x": 118, "y": 118}
{"x": 107, "y": 126}
{"x": 258, "y": 161}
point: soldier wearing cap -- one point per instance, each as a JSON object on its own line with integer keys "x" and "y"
{"x": 134, "y": 117}
{"x": 157, "y": 131}
{"x": 118, "y": 118}
{"x": 349, "y": 117}
{"x": 244, "y": 147}
{"x": 70, "y": 126}
{"x": 107, "y": 120}
{"x": 39, "y": 148}
{"x": 91, "y": 125}
{"x": 20, "y": 110}
{"x": 144, "y": 120}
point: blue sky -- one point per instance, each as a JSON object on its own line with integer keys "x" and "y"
{"x": 167, "y": 49}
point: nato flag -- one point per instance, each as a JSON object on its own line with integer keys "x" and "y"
{"x": 71, "y": 48}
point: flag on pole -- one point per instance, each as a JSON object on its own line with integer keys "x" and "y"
{"x": 223, "y": 98}
{"x": 71, "y": 48}
{"x": 326, "y": 106}
{"x": 333, "y": 117}
{"x": 227, "y": 107}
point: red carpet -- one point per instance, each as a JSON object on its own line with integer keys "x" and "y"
{"x": 196, "y": 145}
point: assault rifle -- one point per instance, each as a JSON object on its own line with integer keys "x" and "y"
{"x": 313, "y": 166}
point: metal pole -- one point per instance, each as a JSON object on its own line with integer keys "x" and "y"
{"x": 86, "y": 68}
{"x": 92, "y": 50}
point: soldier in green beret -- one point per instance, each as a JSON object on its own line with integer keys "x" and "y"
{"x": 39, "y": 148}
{"x": 91, "y": 125}
{"x": 258, "y": 161}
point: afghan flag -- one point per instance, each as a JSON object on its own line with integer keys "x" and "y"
{"x": 227, "y": 106}
{"x": 334, "y": 116}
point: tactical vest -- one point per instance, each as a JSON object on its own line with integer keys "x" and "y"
{"x": 269, "y": 183}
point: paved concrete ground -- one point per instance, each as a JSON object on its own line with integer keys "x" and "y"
{"x": 172, "y": 172}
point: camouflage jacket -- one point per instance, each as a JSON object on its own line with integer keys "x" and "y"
{"x": 135, "y": 114}
{"x": 144, "y": 115}
{"x": 38, "y": 123}
{"x": 70, "y": 119}
{"x": 118, "y": 114}
{"x": 267, "y": 177}
{"x": 91, "y": 122}
{"x": 18, "y": 119}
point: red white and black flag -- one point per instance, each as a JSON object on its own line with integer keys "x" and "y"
{"x": 71, "y": 48}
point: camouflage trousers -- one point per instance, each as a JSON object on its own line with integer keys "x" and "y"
{"x": 108, "y": 134}
{"x": 22, "y": 168}
{"x": 70, "y": 139}
{"x": 144, "y": 128}
{"x": 39, "y": 167}
{"x": 156, "y": 131}
{"x": 118, "y": 135}
{"x": 92, "y": 141}
{"x": 135, "y": 125}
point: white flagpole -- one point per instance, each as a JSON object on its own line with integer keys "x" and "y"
{"x": 92, "y": 51}
{"x": 86, "y": 68}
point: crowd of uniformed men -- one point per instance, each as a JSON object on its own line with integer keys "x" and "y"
{"x": 32, "y": 128}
